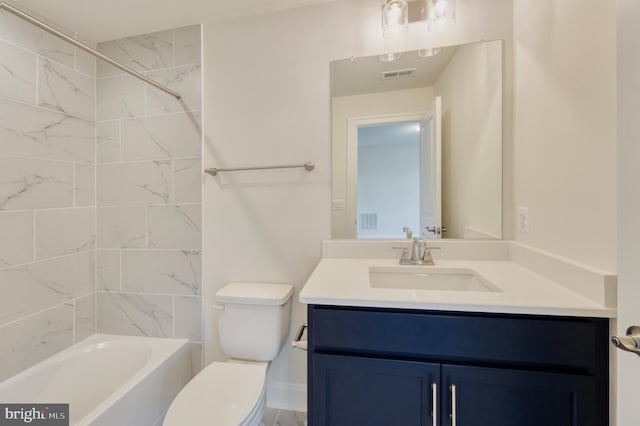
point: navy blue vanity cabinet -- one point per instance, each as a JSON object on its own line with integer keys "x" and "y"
{"x": 370, "y": 366}
{"x": 501, "y": 397}
{"x": 371, "y": 391}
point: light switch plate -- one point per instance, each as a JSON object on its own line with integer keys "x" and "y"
{"x": 337, "y": 204}
{"x": 523, "y": 219}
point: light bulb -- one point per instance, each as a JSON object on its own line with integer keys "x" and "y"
{"x": 441, "y": 13}
{"x": 390, "y": 57}
{"x": 429, "y": 51}
{"x": 395, "y": 18}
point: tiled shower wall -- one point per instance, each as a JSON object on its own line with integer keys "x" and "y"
{"x": 149, "y": 183}
{"x": 47, "y": 199}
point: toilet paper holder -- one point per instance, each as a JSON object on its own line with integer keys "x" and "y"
{"x": 298, "y": 342}
{"x": 630, "y": 342}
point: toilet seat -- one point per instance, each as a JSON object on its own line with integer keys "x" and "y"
{"x": 223, "y": 394}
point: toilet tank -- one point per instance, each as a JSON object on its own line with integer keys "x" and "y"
{"x": 254, "y": 321}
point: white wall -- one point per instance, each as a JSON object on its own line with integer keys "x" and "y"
{"x": 267, "y": 101}
{"x": 345, "y": 107}
{"x": 471, "y": 90}
{"x": 565, "y": 127}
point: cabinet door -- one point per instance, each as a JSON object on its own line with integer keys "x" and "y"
{"x": 497, "y": 397}
{"x": 349, "y": 391}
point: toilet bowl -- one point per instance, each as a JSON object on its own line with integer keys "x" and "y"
{"x": 253, "y": 325}
{"x": 224, "y": 393}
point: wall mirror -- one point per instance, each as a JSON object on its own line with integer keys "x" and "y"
{"x": 417, "y": 144}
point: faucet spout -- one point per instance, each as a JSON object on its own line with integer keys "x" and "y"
{"x": 408, "y": 231}
{"x": 416, "y": 250}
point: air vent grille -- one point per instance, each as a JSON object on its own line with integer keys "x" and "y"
{"x": 409, "y": 72}
{"x": 368, "y": 221}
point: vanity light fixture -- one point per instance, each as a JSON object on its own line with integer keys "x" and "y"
{"x": 429, "y": 51}
{"x": 398, "y": 14}
{"x": 390, "y": 57}
{"x": 395, "y": 18}
{"x": 441, "y": 14}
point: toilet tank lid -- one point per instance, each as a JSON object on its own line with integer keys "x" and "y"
{"x": 255, "y": 293}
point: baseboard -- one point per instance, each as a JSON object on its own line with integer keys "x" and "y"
{"x": 287, "y": 396}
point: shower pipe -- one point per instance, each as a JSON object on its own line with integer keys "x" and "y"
{"x": 48, "y": 28}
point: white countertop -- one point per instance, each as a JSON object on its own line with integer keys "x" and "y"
{"x": 345, "y": 282}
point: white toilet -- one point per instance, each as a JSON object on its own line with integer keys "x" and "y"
{"x": 253, "y": 325}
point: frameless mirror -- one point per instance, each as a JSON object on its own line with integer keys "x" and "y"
{"x": 417, "y": 144}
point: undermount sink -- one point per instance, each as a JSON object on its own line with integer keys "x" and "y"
{"x": 428, "y": 278}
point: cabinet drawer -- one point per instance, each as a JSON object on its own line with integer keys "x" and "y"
{"x": 517, "y": 340}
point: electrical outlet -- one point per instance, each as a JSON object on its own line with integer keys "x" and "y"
{"x": 523, "y": 219}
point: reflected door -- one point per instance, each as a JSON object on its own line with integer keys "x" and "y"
{"x": 431, "y": 172}
{"x": 388, "y": 179}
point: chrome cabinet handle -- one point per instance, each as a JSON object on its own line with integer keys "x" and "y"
{"x": 454, "y": 409}
{"x": 434, "y": 404}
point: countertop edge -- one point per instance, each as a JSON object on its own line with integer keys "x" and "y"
{"x": 610, "y": 313}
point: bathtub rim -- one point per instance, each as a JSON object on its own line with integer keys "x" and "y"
{"x": 162, "y": 350}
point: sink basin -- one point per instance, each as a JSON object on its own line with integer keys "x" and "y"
{"x": 428, "y": 278}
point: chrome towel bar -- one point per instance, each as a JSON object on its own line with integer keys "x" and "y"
{"x": 307, "y": 166}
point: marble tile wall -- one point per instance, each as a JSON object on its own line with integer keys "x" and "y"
{"x": 149, "y": 189}
{"x": 47, "y": 195}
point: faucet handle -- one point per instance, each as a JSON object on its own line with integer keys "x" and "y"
{"x": 426, "y": 256}
{"x": 404, "y": 258}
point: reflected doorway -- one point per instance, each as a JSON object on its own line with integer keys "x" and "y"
{"x": 388, "y": 176}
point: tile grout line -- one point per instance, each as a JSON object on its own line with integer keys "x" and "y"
{"x": 47, "y": 109}
{"x": 146, "y": 226}
{"x": 34, "y": 239}
{"x": 44, "y": 260}
{"x": 96, "y": 264}
{"x": 73, "y": 320}
{"x": 148, "y": 71}
{"x": 119, "y": 140}
{"x": 37, "y": 91}
{"x": 120, "y": 255}
{"x": 144, "y": 293}
{"x": 44, "y": 159}
{"x": 47, "y": 209}
{"x": 75, "y": 184}
{"x": 24, "y": 49}
{"x": 49, "y": 308}
{"x": 75, "y": 56}
{"x": 173, "y": 181}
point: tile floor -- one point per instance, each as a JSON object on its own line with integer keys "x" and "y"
{"x": 276, "y": 417}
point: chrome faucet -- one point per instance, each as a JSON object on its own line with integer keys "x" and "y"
{"x": 407, "y": 231}
{"x": 420, "y": 253}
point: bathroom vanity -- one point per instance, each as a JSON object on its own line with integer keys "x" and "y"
{"x": 407, "y": 367}
{"x": 523, "y": 350}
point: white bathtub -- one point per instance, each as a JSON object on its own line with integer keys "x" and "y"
{"x": 107, "y": 380}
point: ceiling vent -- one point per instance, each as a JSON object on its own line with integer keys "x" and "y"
{"x": 409, "y": 72}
